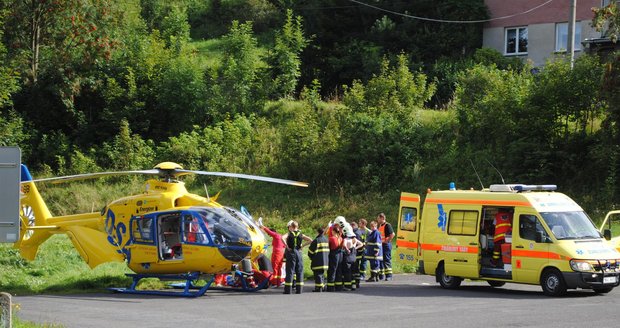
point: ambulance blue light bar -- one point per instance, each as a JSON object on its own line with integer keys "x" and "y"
{"x": 521, "y": 187}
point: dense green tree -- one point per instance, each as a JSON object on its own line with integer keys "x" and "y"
{"x": 236, "y": 86}
{"x": 285, "y": 57}
{"x": 395, "y": 89}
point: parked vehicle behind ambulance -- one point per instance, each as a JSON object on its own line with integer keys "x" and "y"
{"x": 551, "y": 241}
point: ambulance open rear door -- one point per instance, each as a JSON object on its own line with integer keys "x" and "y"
{"x": 407, "y": 240}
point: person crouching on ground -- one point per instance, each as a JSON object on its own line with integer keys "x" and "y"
{"x": 294, "y": 260}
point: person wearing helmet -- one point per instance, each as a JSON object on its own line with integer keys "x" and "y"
{"x": 349, "y": 245}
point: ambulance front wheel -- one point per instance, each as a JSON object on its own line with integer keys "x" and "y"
{"x": 552, "y": 283}
{"x": 448, "y": 282}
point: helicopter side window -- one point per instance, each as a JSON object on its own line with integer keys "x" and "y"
{"x": 192, "y": 231}
{"x": 141, "y": 230}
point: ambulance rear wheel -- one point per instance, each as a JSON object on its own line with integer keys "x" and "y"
{"x": 494, "y": 283}
{"x": 552, "y": 283}
{"x": 448, "y": 282}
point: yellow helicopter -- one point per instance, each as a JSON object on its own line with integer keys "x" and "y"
{"x": 164, "y": 232}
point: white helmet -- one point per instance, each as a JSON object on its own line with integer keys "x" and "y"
{"x": 340, "y": 220}
{"x": 348, "y": 230}
{"x": 289, "y": 223}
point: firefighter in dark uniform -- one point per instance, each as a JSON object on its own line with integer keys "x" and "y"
{"x": 374, "y": 251}
{"x": 350, "y": 245}
{"x": 294, "y": 260}
{"x": 387, "y": 234}
{"x": 358, "y": 270}
{"x": 318, "y": 252}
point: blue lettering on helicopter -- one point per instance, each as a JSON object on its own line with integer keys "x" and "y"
{"x": 116, "y": 233}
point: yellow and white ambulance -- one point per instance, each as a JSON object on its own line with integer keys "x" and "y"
{"x": 550, "y": 240}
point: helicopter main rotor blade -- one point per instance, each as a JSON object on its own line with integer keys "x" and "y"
{"x": 94, "y": 176}
{"x": 247, "y": 176}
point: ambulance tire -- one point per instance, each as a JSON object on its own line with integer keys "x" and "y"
{"x": 552, "y": 283}
{"x": 603, "y": 290}
{"x": 447, "y": 282}
{"x": 495, "y": 283}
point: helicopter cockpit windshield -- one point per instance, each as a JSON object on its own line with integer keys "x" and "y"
{"x": 227, "y": 231}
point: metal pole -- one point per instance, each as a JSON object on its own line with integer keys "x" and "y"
{"x": 570, "y": 46}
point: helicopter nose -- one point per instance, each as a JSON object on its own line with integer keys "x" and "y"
{"x": 235, "y": 252}
{"x": 234, "y": 242}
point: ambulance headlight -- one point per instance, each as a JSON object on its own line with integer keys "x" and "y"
{"x": 582, "y": 266}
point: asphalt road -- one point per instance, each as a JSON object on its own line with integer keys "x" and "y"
{"x": 407, "y": 301}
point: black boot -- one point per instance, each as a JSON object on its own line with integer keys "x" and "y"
{"x": 357, "y": 283}
{"x": 372, "y": 278}
{"x": 287, "y": 289}
{"x": 298, "y": 289}
{"x": 330, "y": 288}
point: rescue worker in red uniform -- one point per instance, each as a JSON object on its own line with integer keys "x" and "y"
{"x": 318, "y": 252}
{"x": 503, "y": 226}
{"x": 294, "y": 260}
{"x": 277, "y": 254}
{"x": 387, "y": 233}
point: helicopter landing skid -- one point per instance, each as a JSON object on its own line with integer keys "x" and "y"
{"x": 187, "y": 286}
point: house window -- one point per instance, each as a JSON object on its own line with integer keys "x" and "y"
{"x": 561, "y": 36}
{"x": 463, "y": 223}
{"x": 516, "y": 41}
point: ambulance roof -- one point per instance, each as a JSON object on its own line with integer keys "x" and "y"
{"x": 542, "y": 201}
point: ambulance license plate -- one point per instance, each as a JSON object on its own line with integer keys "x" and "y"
{"x": 610, "y": 280}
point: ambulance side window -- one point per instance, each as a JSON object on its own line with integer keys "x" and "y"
{"x": 529, "y": 226}
{"x": 463, "y": 223}
{"x": 408, "y": 218}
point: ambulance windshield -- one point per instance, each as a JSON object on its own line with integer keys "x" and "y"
{"x": 570, "y": 225}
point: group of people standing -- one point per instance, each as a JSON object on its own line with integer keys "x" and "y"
{"x": 339, "y": 254}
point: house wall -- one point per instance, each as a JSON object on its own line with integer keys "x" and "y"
{"x": 540, "y": 24}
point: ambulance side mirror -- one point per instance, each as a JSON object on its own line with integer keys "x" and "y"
{"x": 607, "y": 234}
{"x": 541, "y": 237}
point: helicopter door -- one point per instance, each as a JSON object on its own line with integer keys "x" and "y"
{"x": 169, "y": 241}
{"x": 142, "y": 244}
